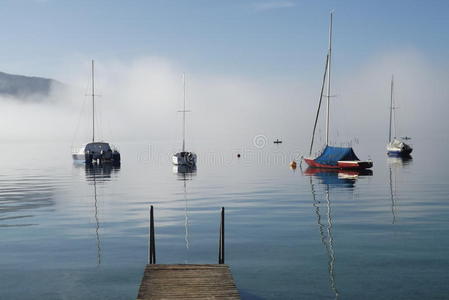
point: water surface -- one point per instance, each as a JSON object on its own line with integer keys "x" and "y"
{"x": 74, "y": 233}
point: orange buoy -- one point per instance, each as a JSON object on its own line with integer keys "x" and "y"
{"x": 293, "y": 165}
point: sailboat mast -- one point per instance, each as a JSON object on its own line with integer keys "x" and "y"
{"x": 184, "y": 116}
{"x": 329, "y": 79}
{"x": 93, "y": 103}
{"x": 319, "y": 104}
{"x": 391, "y": 109}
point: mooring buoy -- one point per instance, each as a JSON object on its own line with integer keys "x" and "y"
{"x": 293, "y": 165}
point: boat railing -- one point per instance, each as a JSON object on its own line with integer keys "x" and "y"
{"x": 77, "y": 149}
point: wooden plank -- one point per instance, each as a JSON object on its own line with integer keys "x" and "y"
{"x": 187, "y": 282}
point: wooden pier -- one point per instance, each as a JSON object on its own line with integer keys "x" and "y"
{"x": 187, "y": 282}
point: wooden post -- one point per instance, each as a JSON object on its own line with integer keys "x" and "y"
{"x": 221, "y": 249}
{"x": 152, "y": 259}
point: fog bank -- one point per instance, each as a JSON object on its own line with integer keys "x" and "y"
{"x": 139, "y": 102}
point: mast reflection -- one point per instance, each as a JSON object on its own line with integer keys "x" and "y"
{"x": 98, "y": 174}
{"x": 97, "y": 221}
{"x": 185, "y": 173}
{"x": 393, "y": 164}
{"x": 329, "y": 179}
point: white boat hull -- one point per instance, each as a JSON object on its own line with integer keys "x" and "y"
{"x": 398, "y": 148}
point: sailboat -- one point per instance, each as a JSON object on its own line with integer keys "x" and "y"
{"x": 96, "y": 152}
{"x": 332, "y": 157}
{"x": 184, "y": 157}
{"x": 395, "y": 146}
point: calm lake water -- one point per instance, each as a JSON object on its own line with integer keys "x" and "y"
{"x": 68, "y": 232}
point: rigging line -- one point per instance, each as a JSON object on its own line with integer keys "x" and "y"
{"x": 319, "y": 104}
{"x": 394, "y": 112}
{"x": 100, "y": 120}
{"x": 78, "y": 123}
{"x": 394, "y": 108}
{"x": 86, "y": 90}
{"x": 329, "y": 80}
{"x": 98, "y": 115}
{"x": 108, "y": 129}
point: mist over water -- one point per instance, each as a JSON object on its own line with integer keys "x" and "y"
{"x": 139, "y": 100}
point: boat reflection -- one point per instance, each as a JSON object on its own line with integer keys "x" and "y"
{"x": 321, "y": 196}
{"x": 338, "y": 178}
{"x": 100, "y": 173}
{"x": 184, "y": 172}
{"x": 399, "y": 161}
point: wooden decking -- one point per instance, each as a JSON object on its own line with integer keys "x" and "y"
{"x": 187, "y": 282}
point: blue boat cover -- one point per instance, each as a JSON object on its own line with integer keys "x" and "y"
{"x": 331, "y": 155}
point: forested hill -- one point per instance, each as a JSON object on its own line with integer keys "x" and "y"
{"x": 27, "y": 88}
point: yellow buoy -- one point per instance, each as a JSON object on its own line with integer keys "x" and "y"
{"x": 293, "y": 165}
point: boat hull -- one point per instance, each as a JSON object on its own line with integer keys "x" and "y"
{"x": 88, "y": 160}
{"x": 341, "y": 165}
{"x": 97, "y": 153}
{"x": 184, "y": 159}
{"x": 398, "y": 148}
{"x": 400, "y": 153}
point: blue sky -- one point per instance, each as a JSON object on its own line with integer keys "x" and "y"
{"x": 270, "y": 38}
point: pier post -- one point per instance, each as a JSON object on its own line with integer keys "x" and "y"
{"x": 152, "y": 258}
{"x": 221, "y": 248}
